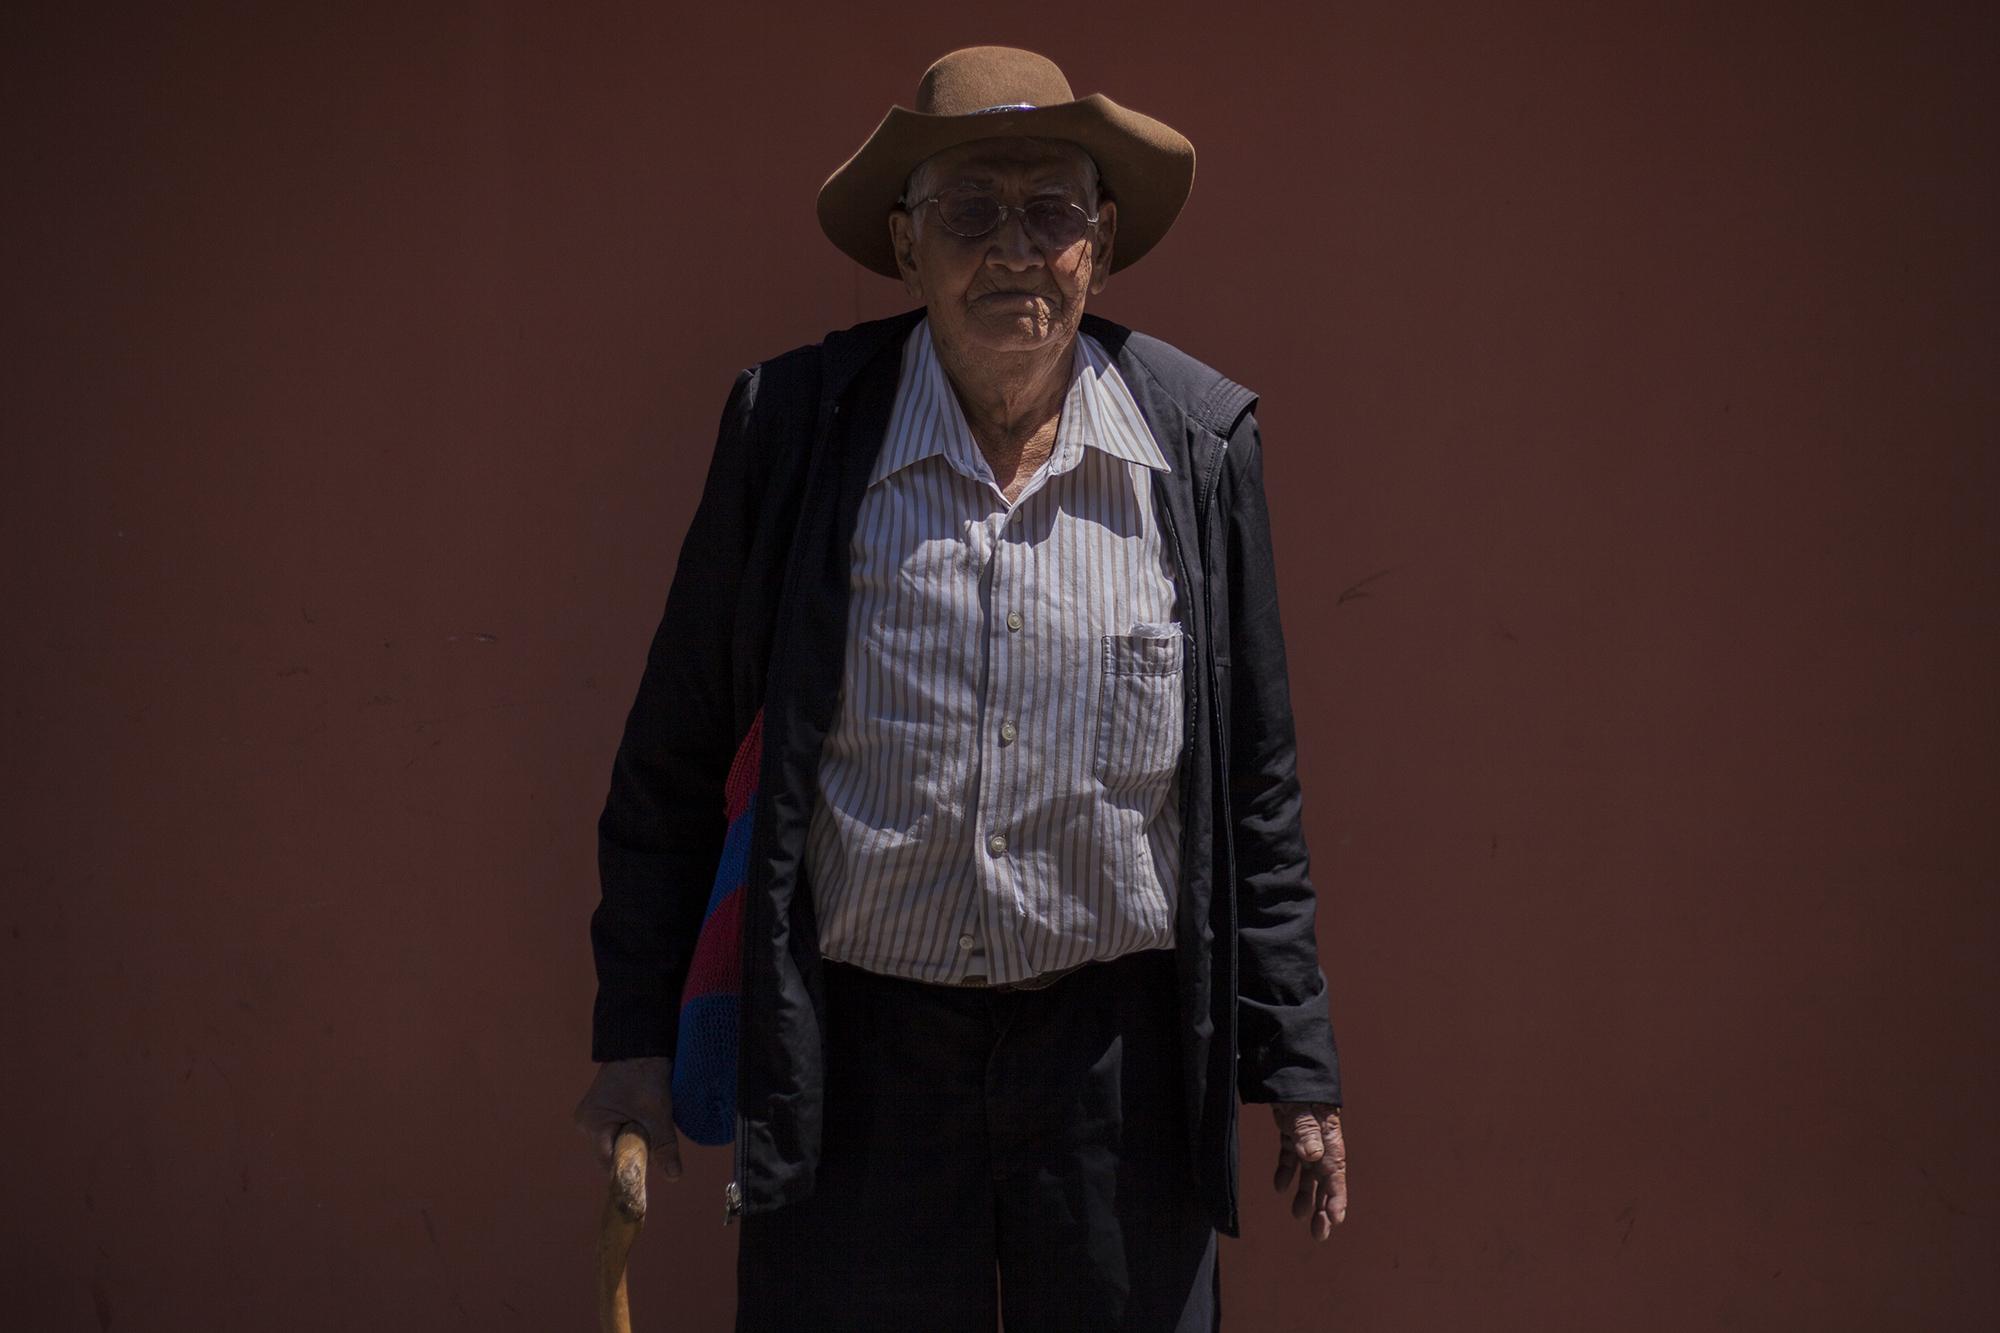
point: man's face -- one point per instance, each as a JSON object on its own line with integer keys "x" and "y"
{"x": 1002, "y": 292}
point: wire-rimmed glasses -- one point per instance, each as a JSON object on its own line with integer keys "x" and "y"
{"x": 1053, "y": 224}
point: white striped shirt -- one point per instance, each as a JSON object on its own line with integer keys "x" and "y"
{"x": 999, "y": 792}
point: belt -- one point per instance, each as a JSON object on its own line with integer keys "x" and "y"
{"x": 1040, "y": 981}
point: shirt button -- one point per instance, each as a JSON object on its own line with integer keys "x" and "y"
{"x": 997, "y": 843}
{"x": 1007, "y": 732}
{"x": 1013, "y": 620}
{"x": 965, "y": 942}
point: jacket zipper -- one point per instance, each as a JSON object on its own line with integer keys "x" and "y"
{"x": 1187, "y": 639}
{"x": 732, "y": 1193}
{"x": 1190, "y": 704}
{"x": 1225, "y": 835}
{"x": 1204, "y": 523}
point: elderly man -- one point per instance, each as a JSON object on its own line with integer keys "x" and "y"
{"x": 969, "y": 703}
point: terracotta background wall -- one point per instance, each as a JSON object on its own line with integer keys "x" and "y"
{"x": 1628, "y": 381}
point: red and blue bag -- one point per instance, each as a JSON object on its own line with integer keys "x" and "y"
{"x": 704, "y": 1071}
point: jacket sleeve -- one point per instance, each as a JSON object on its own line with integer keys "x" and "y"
{"x": 1285, "y": 1045}
{"x": 664, "y": 820}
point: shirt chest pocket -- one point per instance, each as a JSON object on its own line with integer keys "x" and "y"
{"x": 1140, "y": 709}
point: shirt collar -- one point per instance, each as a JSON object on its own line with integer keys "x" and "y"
{"x": 926, "y": 418}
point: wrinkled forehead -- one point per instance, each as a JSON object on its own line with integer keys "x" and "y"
{"x": 1036, "y": 161}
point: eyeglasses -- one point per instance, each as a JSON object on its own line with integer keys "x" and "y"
{"x": 1052, "y": 224}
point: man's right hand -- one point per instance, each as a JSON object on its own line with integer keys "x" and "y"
{"x": 625, "y": 1092}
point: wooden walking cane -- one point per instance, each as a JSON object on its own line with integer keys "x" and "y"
{"x": 624, "y": 1214}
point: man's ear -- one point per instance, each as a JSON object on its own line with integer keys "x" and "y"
{"x": 903, "y": 240}
{"x": 1103, "y": 235}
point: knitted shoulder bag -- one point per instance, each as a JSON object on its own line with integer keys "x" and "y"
{"x": 704, "y": 1071}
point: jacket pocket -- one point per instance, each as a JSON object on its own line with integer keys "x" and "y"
{"x": 1140, "y": 709}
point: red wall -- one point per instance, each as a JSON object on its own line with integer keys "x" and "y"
{"x": 1628, "y": 386}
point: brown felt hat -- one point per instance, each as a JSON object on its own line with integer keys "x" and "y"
{"x": 984, "y": 92}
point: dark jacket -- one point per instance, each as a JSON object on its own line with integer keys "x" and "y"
{"x": 757, "y": 616}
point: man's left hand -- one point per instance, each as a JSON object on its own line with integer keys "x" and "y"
{"x": 1310, "y": 1143}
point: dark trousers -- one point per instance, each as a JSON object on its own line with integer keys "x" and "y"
{"x": 990, "y": 1152}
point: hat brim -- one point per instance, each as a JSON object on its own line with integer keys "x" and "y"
{"x": 1148, "y": 166}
